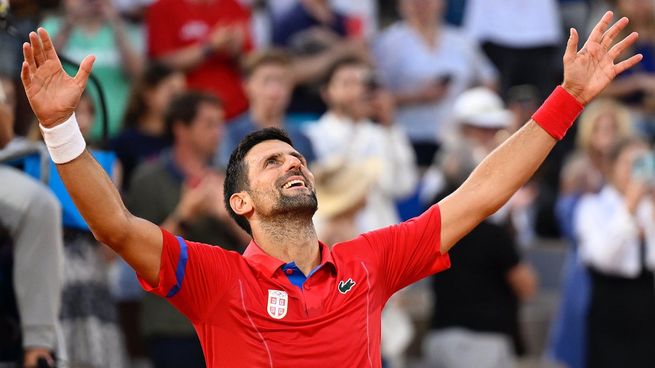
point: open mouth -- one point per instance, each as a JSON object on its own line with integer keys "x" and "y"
{"x": 295, "y": 183}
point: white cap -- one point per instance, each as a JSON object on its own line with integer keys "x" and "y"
{"x": 481, "y": 107}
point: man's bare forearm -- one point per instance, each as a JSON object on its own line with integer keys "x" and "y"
{"x": 96, "y": 197}
{"x": 138, "y": 241}
{"x": 494, "y": 182}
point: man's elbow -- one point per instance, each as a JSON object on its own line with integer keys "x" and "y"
{"x": 113, "y": 233}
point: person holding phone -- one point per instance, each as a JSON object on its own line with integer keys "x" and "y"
{"x": 426, "y": 65}
{"x": 615, "y": 229}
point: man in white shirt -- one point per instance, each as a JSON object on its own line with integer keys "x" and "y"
{"x": 345, "y": 132}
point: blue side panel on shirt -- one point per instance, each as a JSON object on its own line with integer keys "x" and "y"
{"x": 181, "y": 268}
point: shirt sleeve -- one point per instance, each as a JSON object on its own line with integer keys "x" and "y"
{"x": 608, "y": 239}
{"x": 192, "y": 276}
{"x": 409, "y": 251}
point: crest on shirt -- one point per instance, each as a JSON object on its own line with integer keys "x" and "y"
{"x": 278, "y": 303}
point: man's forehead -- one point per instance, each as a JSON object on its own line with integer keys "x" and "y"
{"x": 267, "y": 148}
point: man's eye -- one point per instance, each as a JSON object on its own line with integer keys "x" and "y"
{"x": 271, "y": 161}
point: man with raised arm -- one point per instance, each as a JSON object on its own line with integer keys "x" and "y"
{"x": 290, "y": 299}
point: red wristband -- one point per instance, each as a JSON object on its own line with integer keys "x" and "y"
{"x": 558, "y": 112}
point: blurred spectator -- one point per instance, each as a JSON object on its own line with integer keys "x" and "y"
{"x": 268, "y": 84}
{"x": 342, "y": 188}
{"x": 637, "y": 87}
{"x": 181, "y": 192}
{"x": 346, "y": 133}
{"x": 134, "y": 10}
{"x": 519, "y": 37}
{"x": 482, "y": 121}
{"x": 316, "y": 35}
{"x": 362, "y": 16}
{"x": 476, "y": 322}
{"x": 32, "y": 217}
{"x": 206, "y": 39}
{"x": 95, "y": 27}
{"x": 22, "y": 16}
{"x": 144, "y": 133}
{"x": 427, "y": 64}
{"x": 601, "y": 126}
{"x": 615, "y": 229}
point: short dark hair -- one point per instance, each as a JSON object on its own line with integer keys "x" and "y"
{"x": 236, "y": 174}
{"x": 183, "y": 109}
{"x": 268, "y": 57}
{"x": 340, "y": 64}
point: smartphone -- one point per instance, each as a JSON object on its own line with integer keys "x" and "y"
{"x": 643, "y": 168}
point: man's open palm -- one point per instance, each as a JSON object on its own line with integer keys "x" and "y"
{"x": 588, "y": 71}
{"x": 52, "y": 93}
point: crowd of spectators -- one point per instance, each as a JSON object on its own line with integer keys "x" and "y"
{"x": 392, "y": 103}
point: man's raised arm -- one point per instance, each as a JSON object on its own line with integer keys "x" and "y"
{"x": 54, "y": 96}
{"x": 586, "y": 73}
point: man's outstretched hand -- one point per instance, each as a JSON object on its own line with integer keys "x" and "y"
{"x": 52, "y": 93}
{"x": 588, "y": 71}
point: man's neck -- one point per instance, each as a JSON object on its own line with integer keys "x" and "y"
{"x": 289, "y": 238}
{"x": 266, "y": 119}
{"x": 189, "y": 161}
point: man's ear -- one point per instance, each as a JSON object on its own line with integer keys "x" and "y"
{"x": 241, "y": 203}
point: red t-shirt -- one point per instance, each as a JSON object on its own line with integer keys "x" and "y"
{"x": 175, "y": 24}
{"x": 248, "y": 314}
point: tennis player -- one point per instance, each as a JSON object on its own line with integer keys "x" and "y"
{"x": 291, "y": 300}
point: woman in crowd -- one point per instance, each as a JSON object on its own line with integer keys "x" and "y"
{"x": 601, "y": 126}
{"x": 95, "y": 27}
{"x": 144, "y": 135}
{"x": 615, "y": 229}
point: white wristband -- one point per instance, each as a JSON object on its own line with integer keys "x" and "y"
{"x": 64, "y": 141}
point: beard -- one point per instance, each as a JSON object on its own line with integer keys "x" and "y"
{"x": 302, "y": 204}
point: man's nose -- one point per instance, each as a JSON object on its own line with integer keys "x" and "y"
{"x": 293, "y": 162}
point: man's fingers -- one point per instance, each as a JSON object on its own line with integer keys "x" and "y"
{"x": 627, "y": 64}
{"x": 622, "y": 45}
{"x": 571, "y": 45}
{"x": 614, "y": 30}
{"x": 29, "y": 57}
{"x": 25, "y": 75}
{"x": 83, "y": 73}
{"x": 37, "y": 49}
{"x": 597, "y": 33}
{"x": 48, "y": 48}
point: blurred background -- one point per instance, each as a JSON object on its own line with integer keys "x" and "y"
{"x": 393, "y": 103}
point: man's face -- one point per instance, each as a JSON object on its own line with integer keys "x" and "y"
{"x": 204, "y": 132}
{"x": 423, "y": 10}
{"x": 269, "y": 87}
{"x": 348, "y": 92}
{"x": 279, "y": 181}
